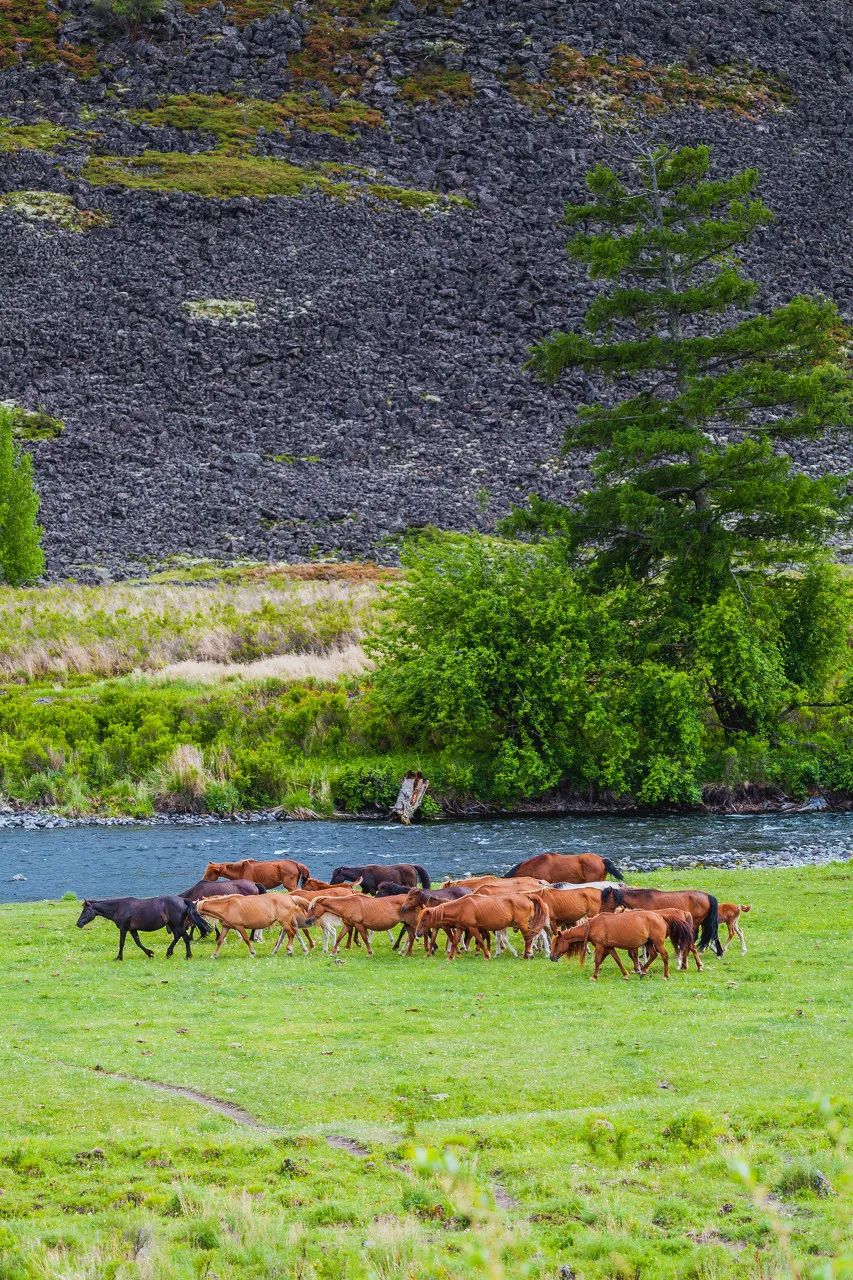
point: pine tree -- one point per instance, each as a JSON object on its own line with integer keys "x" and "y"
{"x": 21, "y": 555}
{"x": 688, "y": 487}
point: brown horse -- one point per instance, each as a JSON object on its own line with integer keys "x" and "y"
{"x": 703, "y": 907}
{"x": 487, "y": 914}
{"x": 282, "y": 872}
{"x": 568, "y": 906}
{"x": 245, "y": 914}
{"x": 362, "y": 912}
{"x": 730, "y": 914}
{"x": 577, "y": 868}
{"x": 522, "y": 884}
{"x": 684, "y": 953}
{"x": 312, "y": 885}
{"x": 628, "y": 930}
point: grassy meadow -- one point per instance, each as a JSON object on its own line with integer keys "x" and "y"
{"x": 420, "y": 1119}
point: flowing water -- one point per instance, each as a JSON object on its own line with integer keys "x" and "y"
{"x": 136, "y": 861}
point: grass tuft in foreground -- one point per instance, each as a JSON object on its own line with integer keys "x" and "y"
{"x": 419, "y": 1120}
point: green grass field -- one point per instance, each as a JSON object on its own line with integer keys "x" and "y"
{"x": 503, "y": 1119}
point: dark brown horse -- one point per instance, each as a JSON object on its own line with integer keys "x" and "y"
{"x": 703, "y": 907}
{"x": 272, "y": 874}
{"x": 629, "y": 930}
{"x": 576, "y": 868}
{"x": 373, "y": 874}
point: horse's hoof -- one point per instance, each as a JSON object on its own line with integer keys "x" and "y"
{"x": 626, "y": 976}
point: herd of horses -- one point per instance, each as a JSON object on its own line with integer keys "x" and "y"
{"x": 559, "y": 903}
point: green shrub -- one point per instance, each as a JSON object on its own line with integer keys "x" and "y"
{"x": 358, "y": 789}
{"x": 222, "y": 798}
{"x": 126, "y": 16}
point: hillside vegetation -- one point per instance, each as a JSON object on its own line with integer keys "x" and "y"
{"x": 275, "y": 268}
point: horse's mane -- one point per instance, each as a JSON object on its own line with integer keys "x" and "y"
{"x": 613, "y": 893}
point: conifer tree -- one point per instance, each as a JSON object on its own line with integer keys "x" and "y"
{"x": 21, "y": 555}
{"x": 688, "y": 487}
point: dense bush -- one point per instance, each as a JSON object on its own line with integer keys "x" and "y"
{"x": 126, "y": 16}
{"x": 495, "y": 655}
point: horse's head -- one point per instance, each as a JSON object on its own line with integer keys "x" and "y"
{"x": 426, "y": 921}
{"x": 212, "y": 871}
{"x": 611, "y": 897}
{"x": 88, "y": 913}
{"x": 559, "y": 944}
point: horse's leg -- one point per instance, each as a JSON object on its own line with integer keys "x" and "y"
{"x": 122, "y": 934}
{"x": 453, "y": 937}
{"x": 483, "y": 942}
{"x": 396, "y": 945}
{"x": 600, "y": 955}
{"x": 226, "y": 929}
{"x": 279, "y": 940}
{"x": 739, "y": 933}
{"x": 171, "y": 946}
{"x": 247, "y": 938}
{"x": 366, "y": 936}
{"x": 189, "y": 954}
{"x": 505, "y": 942}
{"x": 662, "y": 952}
{"x": 635, "y": 959}
{"x": 308, "y": 939}
{"x": 528, "y": 944}
{"x": 615, "y": 955}
{"x": 143, "y": 948}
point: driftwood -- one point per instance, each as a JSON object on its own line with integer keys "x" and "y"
{"x": 412, "y": 791}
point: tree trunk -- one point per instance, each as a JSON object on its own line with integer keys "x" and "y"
{"x": 412, "y": 791}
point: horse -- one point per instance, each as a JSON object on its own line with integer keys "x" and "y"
{"x": 373, "y": 874}
{"x": 490, "y": 914}
{"x": 629, "y": 930}
{"x": 523, "y": 884}
{"x": 729, "y": 913}
{"x": 703, "y": 907}
{"x": 146, "y": 915}
{"x": 391, "y": 889}
{"x": 245, "y": 914}
{"x": 568, "y": 906}
{"x": 684, "y": 953}
{"x": 312, "y": 885}
{"x": 577, "y": 868}
{"x": 363, "y": 913}
{"x": 273, "y": 874}
{"x": 413, "y": 904}
{"x": 214, "y": 888}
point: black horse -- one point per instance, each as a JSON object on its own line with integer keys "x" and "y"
{"x": 145, "y": 915}
{"x": 372, "y": 875}
{"x": 390, "y": 889}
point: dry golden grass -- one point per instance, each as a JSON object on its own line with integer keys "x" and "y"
{"x": 350, "y": 661}
{"x": 292, "y": 612}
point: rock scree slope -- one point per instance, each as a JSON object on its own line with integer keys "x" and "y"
{"x": 293, "y": 258}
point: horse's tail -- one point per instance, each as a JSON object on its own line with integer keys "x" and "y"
{"x": 612, "y": 869}
{"x": 710, "y": 925}
{"x": 422, "y": 876}
{"x": 260, "y": 888}
{"x": 194, "y": 918}
{"x": 540, "y": 919}
{"x": 303, "y": 874}
{"x": 744, "y": 906}
{"x": 513, "y": 871}
{"x": 681, "y": 934}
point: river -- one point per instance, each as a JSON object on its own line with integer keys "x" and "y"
{"x": 108, "y": 862}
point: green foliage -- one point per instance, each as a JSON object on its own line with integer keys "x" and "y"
{"x": 21, "y": 556}
{"x": 432, "y": 84}
{"x": 33, "y": 424}
{"x": 359, "y": 790}
{"x": 692, "y": 496}
{"x": 126, "y": 16}
{"x": 494, "y": 652}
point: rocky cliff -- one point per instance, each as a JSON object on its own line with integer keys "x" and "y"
{"x": 282, "y": 290}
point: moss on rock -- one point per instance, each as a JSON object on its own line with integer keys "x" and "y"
{"x": 54, "y": 208}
